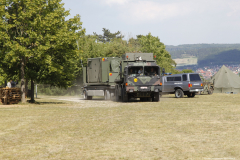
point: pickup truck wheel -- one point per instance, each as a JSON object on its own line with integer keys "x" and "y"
{"x": 179, "y": 93}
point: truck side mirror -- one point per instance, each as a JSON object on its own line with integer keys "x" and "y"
{"x": 163, "y": 70}
{"x": 125, "y": 71}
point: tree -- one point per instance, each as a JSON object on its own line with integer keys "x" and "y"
{"x": 35, "y": 37}
{"x": 134, "y": 43}
{"x": 91, "y": 48}
{"x": 107, "y": 35}
{"x": 151, "y": 44}
{"x": 187, "y": 71}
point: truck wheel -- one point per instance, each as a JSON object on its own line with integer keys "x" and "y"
{"x": 191, "y": 95}
{"x": 210, "y": 91}
{"x": 89, "y": 97}
{"x": 107, "y": 95}
{"x": 86, "y": 97}
{"x": 179, "y": 93}
{"x": 124, "y": 95}
{"x": 144, "y": 99}
{"x": 156, "y": 97}
{"x": 116, "y": 94}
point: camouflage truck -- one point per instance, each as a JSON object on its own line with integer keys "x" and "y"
{"x": 134, "y": 75}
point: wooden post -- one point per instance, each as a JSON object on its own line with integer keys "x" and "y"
{"x": 32, "y": 91}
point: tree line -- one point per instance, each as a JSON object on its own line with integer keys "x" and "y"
{"x": 39, "y": 45}
{"x": 201, "y": 51}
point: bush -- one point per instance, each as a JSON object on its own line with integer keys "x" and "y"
{"x": 56, "y": 91}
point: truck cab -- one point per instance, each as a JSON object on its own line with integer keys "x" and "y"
{"x": 140, "y": 79}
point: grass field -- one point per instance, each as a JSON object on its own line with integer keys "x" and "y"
{"x": 204, "y": 127}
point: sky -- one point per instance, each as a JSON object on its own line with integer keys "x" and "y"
{"x": 174, "y": 22}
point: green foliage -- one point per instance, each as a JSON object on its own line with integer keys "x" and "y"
{"x": 58, "y": 91}
{"x": 91, "y": 48}
{"x": 134, "y": 43}
{"x": 151, "y": 44}
{"x": 35, "y": 32}
{"x": 187, "y": 71}
{"x": 107, "y": 35}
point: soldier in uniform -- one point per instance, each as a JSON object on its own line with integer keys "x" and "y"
{"x": 140, "y": 71}
{"x": 131, "y": 72}
{"x": 13, "y": 84}
{"x": 152, "y": 72}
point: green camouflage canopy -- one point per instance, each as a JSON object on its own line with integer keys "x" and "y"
{"x": 225, "y": 81}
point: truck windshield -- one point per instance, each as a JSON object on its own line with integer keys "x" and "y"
{"x": 195, "y": 77}
{"x": 135, "y": 71}
{"x": 151, "y": 70}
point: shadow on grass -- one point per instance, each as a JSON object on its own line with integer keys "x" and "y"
{"x": 179, "y": 98}
{"x": 42, "y": 103}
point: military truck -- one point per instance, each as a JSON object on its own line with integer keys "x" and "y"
{"x": 134, "y": 75}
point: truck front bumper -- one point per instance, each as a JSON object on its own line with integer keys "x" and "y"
{"x": 132, "y": 89}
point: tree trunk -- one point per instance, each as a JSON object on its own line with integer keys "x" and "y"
{"x": 26, "y": 87}
{"x": 22, "y": 79}
{"x": 32, "y": 91}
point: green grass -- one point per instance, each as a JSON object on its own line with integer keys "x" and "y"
{"x": 188, "y": 128}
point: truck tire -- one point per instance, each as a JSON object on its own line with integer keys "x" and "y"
{"x": 156, "y": 97}
{"x": 106, "y": 95}
{"x": 117, "y": 99}
{"x": 210, "y": 91}
{"x": 191, "y": 95}
{"x": 85, "y": 96}
{"x": 124, "y": 95}
{"x": 144, "y": 99}
{"x": 179, "y": 93}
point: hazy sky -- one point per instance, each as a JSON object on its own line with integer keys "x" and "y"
{"x": 173, "y": 21}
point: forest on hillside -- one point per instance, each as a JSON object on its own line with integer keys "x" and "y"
{"x": 207, "y": 54}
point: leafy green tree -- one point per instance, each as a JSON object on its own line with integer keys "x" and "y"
{"x": 187, "y": 71}
{"x": 151, "y": 44}
{"x": 90, "y": 48}
{"x": 107, "y": 35}
{"x": 134, "y": 44}
{"x": 35, "y": 37}
{"x": 2, "y": 78}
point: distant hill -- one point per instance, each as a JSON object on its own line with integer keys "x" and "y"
{"x": 225, "y": 57}
{"x": 207, "y": 54}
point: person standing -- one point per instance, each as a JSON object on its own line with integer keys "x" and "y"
{"x": 13, "y": 84}
{"x": 9, "y": 84}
